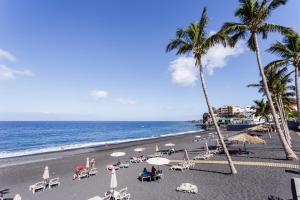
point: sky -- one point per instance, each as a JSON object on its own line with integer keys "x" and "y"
{"x": 106, "y": 60}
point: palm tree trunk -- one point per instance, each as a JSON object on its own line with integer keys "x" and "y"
{"x": 285, "y": 121}
{"x": 297, "y": 93}
{"x": 231, "y": 165}
{"x": 290, "y": 154}
{"x": 285, "y": 131}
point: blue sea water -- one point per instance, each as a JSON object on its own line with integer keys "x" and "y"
{"x": 26, "y": 138}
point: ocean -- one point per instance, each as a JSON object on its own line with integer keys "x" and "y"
{"x": 27, "y": 138}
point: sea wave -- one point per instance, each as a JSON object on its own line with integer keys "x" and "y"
{"x": 6, "y": 154}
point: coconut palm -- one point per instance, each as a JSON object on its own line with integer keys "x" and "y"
{"x": 253, "y": 15}
{"x": 289, "y": 51}
{"x": 195, "y": 39}
{"x": 279, "y": 86}
{"x": 262, "y": 109}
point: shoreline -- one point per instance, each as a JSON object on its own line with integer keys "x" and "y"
{"x": 102, "y": 146}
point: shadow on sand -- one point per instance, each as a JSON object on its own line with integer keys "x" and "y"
{"x": 292, "y": 171}
{"x": 4, "y": 192}
{"x": 211, "y": 171}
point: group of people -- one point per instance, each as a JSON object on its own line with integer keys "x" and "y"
{"x": 152, "y": 173}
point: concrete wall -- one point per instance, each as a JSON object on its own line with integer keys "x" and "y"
{"x": 238, "y": 127}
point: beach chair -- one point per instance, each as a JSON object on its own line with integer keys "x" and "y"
{"x": 54, "y": 182}
{"x": 111, "y": 167}
{"x": 83, "y": 174}
{"x": 93, "y": 172}
{"x": 37, "y": 186}
{"x": 123, "y": 165}
{"x": 177, "y": 167}
{"x": 108, "y": 197}
{"x": 123, "y": 190}
{"x": 135, "y": 160}
{"x": 203, "y": 156}
{"x": 125, "y": 196}
{"x": 96, "y": 198}
{"x": 142, "y": 178}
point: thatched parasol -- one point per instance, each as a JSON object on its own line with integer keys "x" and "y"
{"x": 245, "y": 138}
{"x": 259, "y": 128}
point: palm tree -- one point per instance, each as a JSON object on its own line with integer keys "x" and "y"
{"x": 195, "y": 39}
{"x": 262, "y": 109}
{"x": 278, "y": 83}
{"x": 289, "y": 51}
{"x": 253, "y": 15}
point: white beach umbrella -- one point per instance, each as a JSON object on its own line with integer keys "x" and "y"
{"x": 113, "y": 180}
{"x": 87, "y": 165}
{"x": 118, "y": 154}
{"x": 17, "y": 197}
{"x": 139, "y": 149}
{"x": 206, "y": 147}
{"x": 156, "y": 148}
{"x": 169, "y": 145}
{"x": 186, "y": 155}
{"x": 46, "y": 173}
{"x": 158, "y": 161}
{"x": 198, "y": 136}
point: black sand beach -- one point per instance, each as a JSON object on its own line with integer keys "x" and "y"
{"x": 213, "y": 180}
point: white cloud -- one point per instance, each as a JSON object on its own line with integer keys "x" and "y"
{"x": 99, "y": 94}
{"x": 7, "y": 73}
{"x": 5, "y": 55}
{"x": 126, "y": 101}
{"x": 218, "y": 55}
{"x": 183, "y": 71}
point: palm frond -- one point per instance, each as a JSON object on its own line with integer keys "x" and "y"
{"x": 281, "y": 50}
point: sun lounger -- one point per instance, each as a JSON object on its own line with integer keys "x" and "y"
{"x": 203, "y": 156}
{"x": 187, "y": 187}
{"x": 93, "y": 172}
{"x": 157, "y": 154}
{"x": 182, "y": 166}
{"x": 106, "y": 197}
{"x": 124, "y": 190}
{"x": 134, "y": 160}
{"x": 125, "y": 196}
{"x": 100, "y": 198}
{"x": 54, "y": 182}
{"x": 38, "y": 186}
{"x": 123, "y": 165}
{"x": 83, "y": 174}
{"x": 110, "y": 167}
{"x": 177, "y": 168}
{"x": 142, "y": 178}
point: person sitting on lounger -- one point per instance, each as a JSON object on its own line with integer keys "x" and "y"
{"x": 153, "y": 171}
{"x": 145, "y": 172}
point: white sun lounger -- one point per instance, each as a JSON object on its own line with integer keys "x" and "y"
{"x": 178, "y": 167}
{"x": 54, "y": 182}
{"x": 93, "y": 172}
{"x": 203, "y": 156}
{"x": 96, "y": 198}
{"x": 38, "y": 186}
{"x": 100, "y": 198}
{"x": 123, "y": 191}
{"x": 124, "y": 196}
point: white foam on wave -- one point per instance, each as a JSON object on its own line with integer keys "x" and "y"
{"x": 5, "y": 154}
